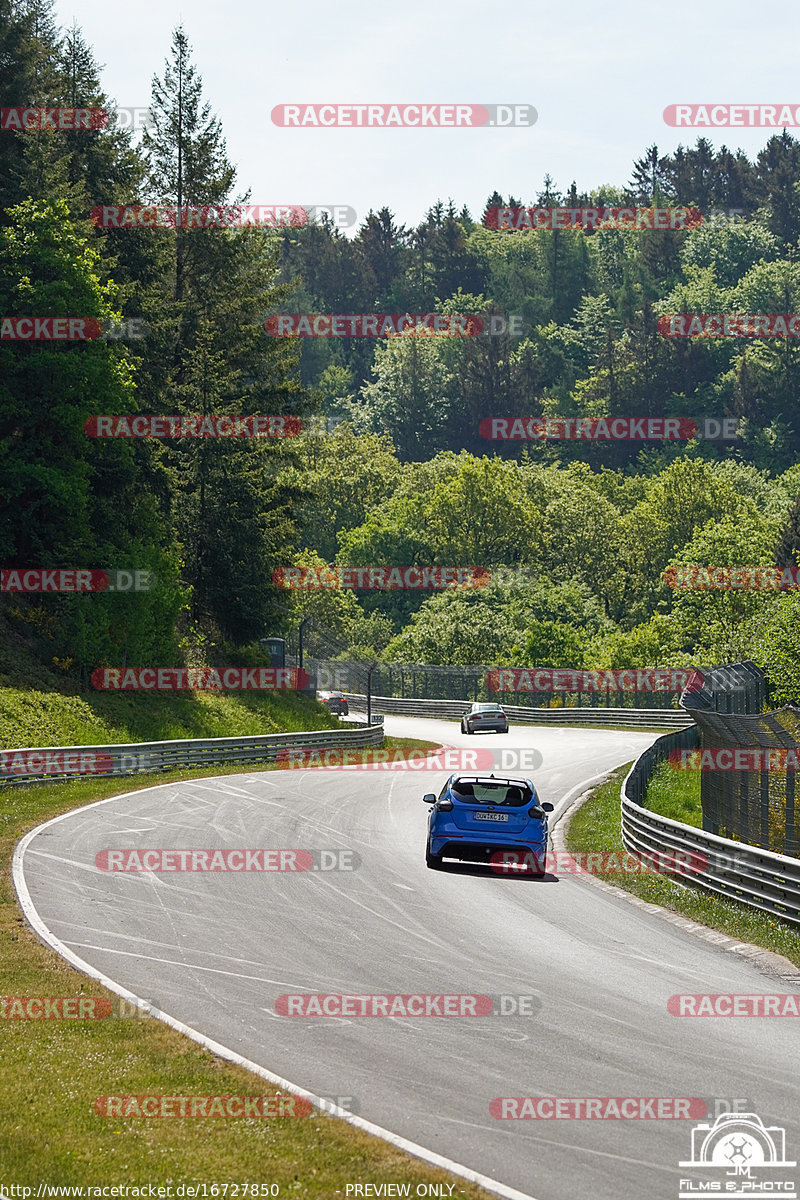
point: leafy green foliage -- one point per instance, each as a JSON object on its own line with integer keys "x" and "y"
{"x": 576, "y": 535}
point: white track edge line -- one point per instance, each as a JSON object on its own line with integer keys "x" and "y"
{"x": 386, "y": 1135}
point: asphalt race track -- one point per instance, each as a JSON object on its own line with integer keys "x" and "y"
{"x": 216, "y": 950}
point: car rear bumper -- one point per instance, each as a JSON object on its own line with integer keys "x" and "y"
{"x": 485, "y": 726}
{"x": 501, "y": 840}
{"x": 484, "y": 852}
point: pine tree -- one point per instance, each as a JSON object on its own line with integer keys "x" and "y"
{"x": 778, "y": 169}
{"x": 185, "y": 148}
{"x": 382, "y": 244}
{"x": 650, "y": 178}
{"x": 495, "y": 201}
{"x": 231, "y": 509}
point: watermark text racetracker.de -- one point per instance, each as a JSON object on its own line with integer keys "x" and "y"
{"x": 703, "y": 116}
{"x": 728, "y": 1004}
{"x": 600, "y": 862}
{"x": 736, "y": 758}
{"x": 598, "y": 1108}
{"x": 158, "y": 860}
{"x": 606, "y": 429}
{"x": 182, "y": 679}
{"x": 73, "y": 120}
{"x": 389, "y": 1004}
{"x": 729, "y": 325}
{"x": 201, "y": 216}
{"x": 382, "y": 578}
{"x": 52, "y": 762}
{"x": 222, "y": 216}
{"x": 40, "y": 580}
{"x": 448, "y": 759}
{"x": 696, "y": 577}
{"x": 218, "y": 216}
{"x": 193, "y": 425}
{"x": 631, "y": 219}
{"x": 73, "y": 1008}
{"x": 402, "y": 116}
{"x": 71, "y": 329}
{"x": 382, "y": 325}
{"x": 612, "y": 1108}
{"x": 275, "y": 1106}
{"x": 639, "y": 679}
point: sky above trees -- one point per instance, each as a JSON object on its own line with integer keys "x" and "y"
{"x": 599, "y": 78}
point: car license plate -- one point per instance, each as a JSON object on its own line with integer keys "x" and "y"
{"x": 491, "y": 816}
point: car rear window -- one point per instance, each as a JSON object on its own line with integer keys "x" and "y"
{"x": 512, "y": 795}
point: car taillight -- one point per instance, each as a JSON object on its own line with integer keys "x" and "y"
{"x": 444, "y": 805}
{"x": 538, "y": 813}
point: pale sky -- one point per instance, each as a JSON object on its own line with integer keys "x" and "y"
{"x": 599, "y": 75}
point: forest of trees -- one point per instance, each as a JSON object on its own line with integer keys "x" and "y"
{"x": 391, "y": 468}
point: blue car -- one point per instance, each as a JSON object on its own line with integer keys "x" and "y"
{"x": 488, "y": 818}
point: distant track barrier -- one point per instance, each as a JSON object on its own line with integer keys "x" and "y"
{"x": 43, "y": 764}
{"x": 453, "y": 710}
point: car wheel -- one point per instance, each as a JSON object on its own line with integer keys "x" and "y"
{"x": 434, "y": 861}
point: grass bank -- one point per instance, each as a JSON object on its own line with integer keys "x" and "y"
{"x": 596, "y": 827}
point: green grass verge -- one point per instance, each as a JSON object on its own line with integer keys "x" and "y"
{"x": 52, "y": 1071}
{"x": 675, "y": 794}
{"x": 50, "y": 718}
{"x": 596, "y": 827}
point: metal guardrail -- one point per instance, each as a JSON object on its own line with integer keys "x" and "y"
{"x": 759, "y": 878}
{"x": 754, "y": 802}
{"x": 634, "y": 718}
{"x": 467, "y": 683}
{"x": 132, "y": 758}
